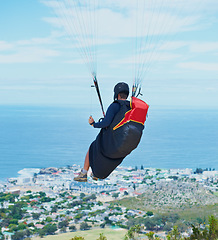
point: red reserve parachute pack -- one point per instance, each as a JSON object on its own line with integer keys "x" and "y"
{"x": 114, "y": 143}
{"x": 137, "y": 113}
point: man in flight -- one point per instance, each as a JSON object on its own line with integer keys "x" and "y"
{"x": 101, "y": 164}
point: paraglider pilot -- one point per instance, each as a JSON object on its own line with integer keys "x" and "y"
{"x": 121, "y": 130}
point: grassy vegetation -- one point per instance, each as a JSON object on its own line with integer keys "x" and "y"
{"x": 186, "y": 212}
{"x": 89, "y": 235}
{"x": 216, "y": 194}
{"x": 131, "y": 203}
{"x": 202, "y": 212}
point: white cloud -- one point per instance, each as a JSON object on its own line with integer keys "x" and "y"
{"x": 204, "y": 47}
{"x": 30, "y": 50}
{"x": 119, "y": 18}
{"x": 173, "y": 45}
{"x": 211, "y": 89}
{"x": 28, "y": 55}
{"x": 119, "y": 21}
{"x": 193, "y": 46}
{"x": 116, "y": 22}
{"x": 144, "y": 59}
{"x": 50, "y": 40}
{"x": 199, "y": 66}
{"x": 5, "y": 46}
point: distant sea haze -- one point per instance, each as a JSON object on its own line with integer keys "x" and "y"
{"x": 38, "y": 137}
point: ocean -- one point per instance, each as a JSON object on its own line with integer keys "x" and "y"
{"x": 38, "y": 137}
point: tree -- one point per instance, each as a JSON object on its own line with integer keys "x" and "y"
{"x": 16, "y": 211}
{"x": 167, "y": 227}
{"x": 14, "y": 221}
{"x": 78, "y": 216}
{"x": 213, "y": 228}
{"x": 84, "y": 226}
{"x": 92, "y": 197}
{"x": 102, "y": 237}
{"x": 48, "y": 219}
{"x": 27, "y": 232}
{"x": 21, "y": 226}
{"x": 107, "y": 221}
{"x": 64, "y": 223}
{"x": 78, "y": 238}
{"x": 54, "y": 208}
{"x": 82, "y": 195}
{"x": 42, "y": 194}
{"x": 42, "y": 233}
{"x": 126, "y": 193}
{"x": 72, "y": 228}
{"x": 1, "y": 235}
{"x": 102, "y": 225}
{"x": 133, "y": 233}
{"x": 5, "y": 222}
{"x": 211, "y": 233}
{"x": 13, "y": 228}
{"x": 150, "y": 213}
{"x": 150, "y": 235}
{"x": 198, "y": 171}
{"x": 174, "y": 234}
{"x": 150, "y": 223}
{"x": 63, "y": 229}
{"x": 173, "y": 177}
{"x": 50, "y": 229}
{"x": 182, "y": 226}
{"x": 18, "y": 236}
{"x": 115, "y": 195}
{"x": 67, "y": 212}
{"x": 198, "y": 234}
{"x": 36, "y": 215}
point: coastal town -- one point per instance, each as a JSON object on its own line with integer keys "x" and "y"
{"x": 49, "y": 197}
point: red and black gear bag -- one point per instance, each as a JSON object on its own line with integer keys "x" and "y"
{"x": 137, "y": 113}
{"x": 126, "y": 129}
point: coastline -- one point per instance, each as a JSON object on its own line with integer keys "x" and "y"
{"x": 171, "y": 139}
{"x": 127, "y": 193}
{"x": 54, "y": 180}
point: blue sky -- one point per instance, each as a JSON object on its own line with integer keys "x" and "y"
{"x": 40, "y": 63}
